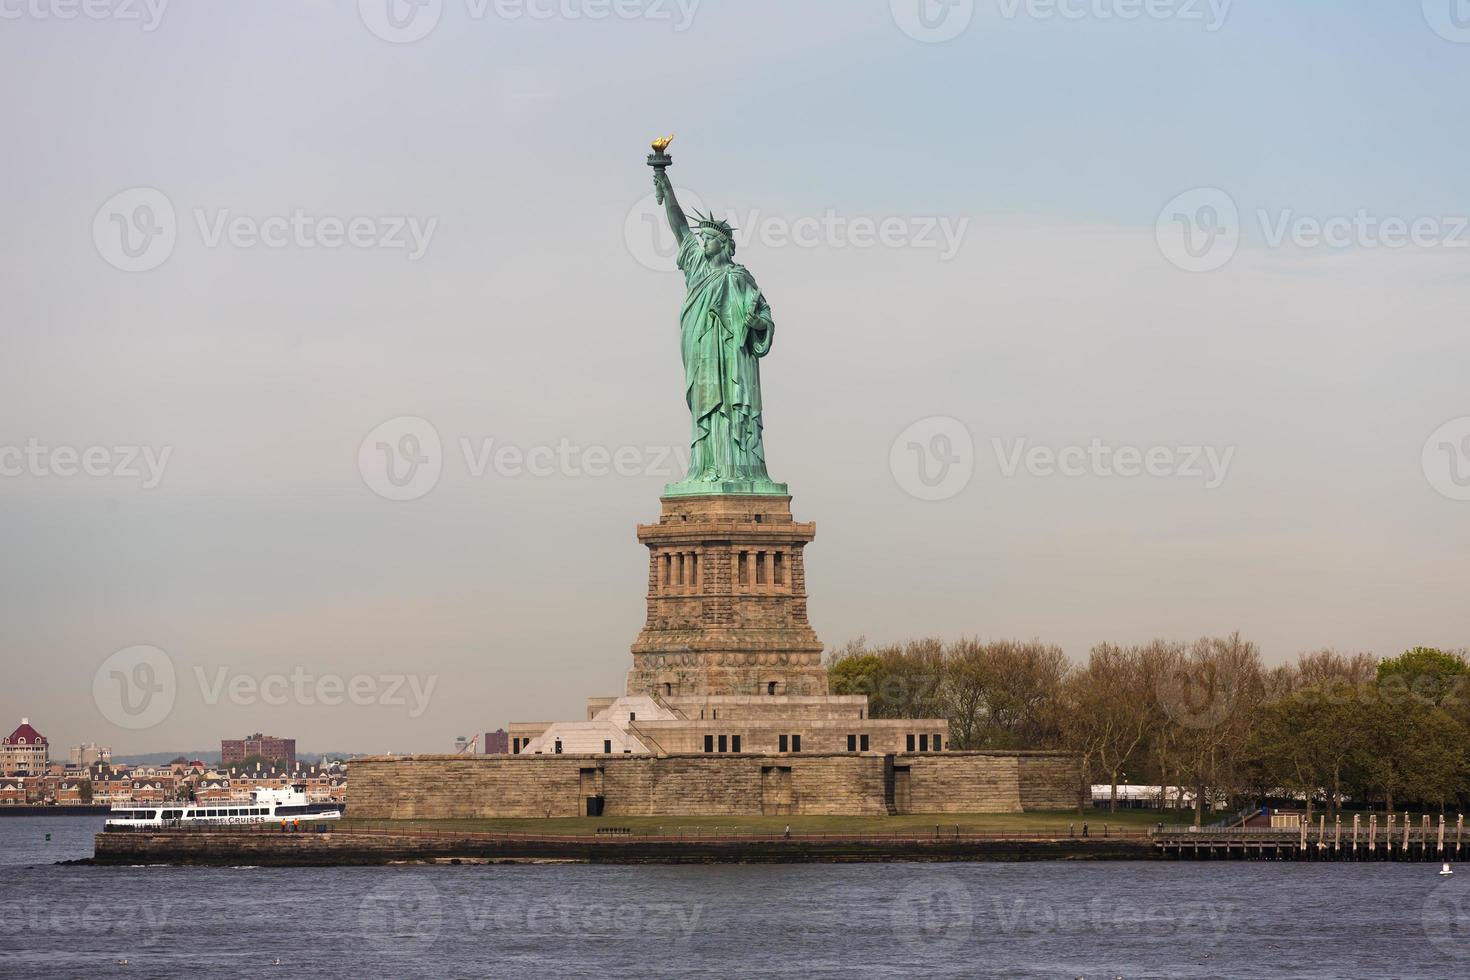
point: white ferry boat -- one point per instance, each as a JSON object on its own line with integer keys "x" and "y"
{"x": 264, "y": 806}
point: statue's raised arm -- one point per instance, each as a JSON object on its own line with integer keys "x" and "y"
{"x": 678, "y": 223}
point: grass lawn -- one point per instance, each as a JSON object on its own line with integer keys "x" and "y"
{"x": 1056, "y": 821}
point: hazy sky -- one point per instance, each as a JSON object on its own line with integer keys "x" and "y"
{"x": 1064, "y": 230}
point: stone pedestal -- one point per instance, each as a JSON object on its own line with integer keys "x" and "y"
{"x": 726, "y": 601}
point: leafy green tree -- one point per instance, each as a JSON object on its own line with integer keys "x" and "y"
{"x": 1309, "y": 741}
{"x": 856, "y": 671}
{"x": 1417, "y": 750}
{"x": 1430, "y": 675}
{"x": 899, "y": 680}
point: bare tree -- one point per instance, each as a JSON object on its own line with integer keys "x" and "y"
{"x": 1211, "y": 695}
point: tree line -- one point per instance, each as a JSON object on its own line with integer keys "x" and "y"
{"x": 1208, "y": 715}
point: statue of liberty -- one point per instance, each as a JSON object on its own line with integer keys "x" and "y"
{"x": 725, "y": 329}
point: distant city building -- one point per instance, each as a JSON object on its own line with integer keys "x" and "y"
{"x": 497, "y": 742}
{"x": 460, "y": 744}
{"x": 24, "y": 752}
{"x": 237, "y": 750}
{"x": 174, "y": 781}
{"x": 90, "y": 754}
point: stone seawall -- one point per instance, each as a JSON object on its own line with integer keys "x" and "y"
{"x": 1049, "y": 781}
{"x": 354, "y": 848}
{"x": 963, "y": 782}
{"x": 461, "y": 787}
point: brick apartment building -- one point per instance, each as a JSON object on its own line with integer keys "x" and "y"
{"x": 497, "y": 742}
{"x": 236, "y": 750}
{"x": 24, "y": 752}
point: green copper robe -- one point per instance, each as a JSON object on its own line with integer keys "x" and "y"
{"x": 725, "y": 329}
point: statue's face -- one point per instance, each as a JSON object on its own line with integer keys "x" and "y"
{"x": 713, "y": 245}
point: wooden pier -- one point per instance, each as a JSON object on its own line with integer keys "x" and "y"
{"x": 1391, "y": 838}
